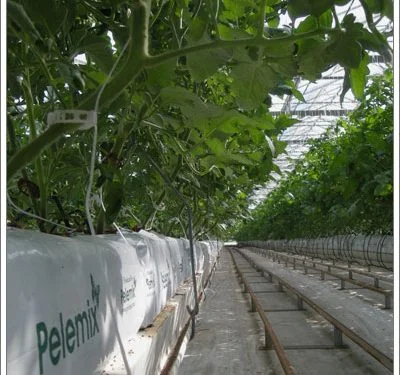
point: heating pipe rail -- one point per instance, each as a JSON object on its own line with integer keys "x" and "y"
{"x": 339, "y": 328}
{"x": 271, "y": 340}
{"x": 292, "y": 259}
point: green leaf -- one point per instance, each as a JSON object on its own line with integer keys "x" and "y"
{"x": 235, "y": 9}
{"x": 161, "y": 75}
{"x": 16, "y": 14}
{"x": 344, "y": 50}
{"x": 346, "y": 85}
{"x": 309, "y": 24}
{"x": 216, "y": 146}
{"x": 113, "y": 200}
{"x": 283, "y": 50}
{"x": 273, "y": 22}
{"x": 205, "y": 63}
{"x": 296, "y": 93}
{"x": 48, "y": 14}
{"x": 283, "y": 121}
{"x": 358, "y": 78}
{"x": 95, "y": 78}
{"x": 312, "y": 58}
{"x": 252, "y": 82}
{"x": 300, "y": 8}
{"x": 388, "y": 9}
{"x": 341, "y": 2}
{"x": 326, "y": 19}
{"x": 229, "y": 157}
{"x": 372, "y": 42}
{"x": 99, "y": 49}
{"x": 192, "y": 107}
{"x": 375, "y": 6}
{"x": 229, "y": 33}
{"x": 197, "y": 28}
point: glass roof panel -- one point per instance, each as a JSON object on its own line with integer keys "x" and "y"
{"x": 322, "y": 106}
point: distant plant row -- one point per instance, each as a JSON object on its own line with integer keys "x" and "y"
{"x": 344, "y": 184}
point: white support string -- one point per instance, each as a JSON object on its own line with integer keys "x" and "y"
{"x": 86, "y": 118}
{"x": 94, "y": 145}
{"x": 19, "y": 209}
{"x": 121, "y": 234}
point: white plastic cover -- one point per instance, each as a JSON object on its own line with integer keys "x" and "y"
{"x": 73, "y": 301}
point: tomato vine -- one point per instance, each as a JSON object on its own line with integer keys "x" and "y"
{"x": 191, "y": 91}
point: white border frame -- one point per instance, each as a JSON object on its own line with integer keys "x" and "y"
{"x": 396, "y": 201}
{"x": 3, "y": 179}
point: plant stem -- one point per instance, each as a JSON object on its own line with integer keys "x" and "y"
{"x": 33, "y": 149}
{"x": 260, "y": 32}
{"x": 138, "y": 59}
{"x": 226, "y": 44}
{"x": 372, "y": 27}
{"x": 26, "y": 87}
{"x": 335, "y": 16}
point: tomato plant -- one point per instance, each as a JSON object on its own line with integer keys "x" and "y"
{"x": 344, "y": 184}
{"x": 189, "y": 96}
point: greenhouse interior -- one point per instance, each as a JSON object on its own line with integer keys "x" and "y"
{"x": 200, "y": 187}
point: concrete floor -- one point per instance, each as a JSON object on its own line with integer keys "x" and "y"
{"x": 229, "y": 339}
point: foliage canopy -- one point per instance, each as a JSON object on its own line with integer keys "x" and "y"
{"x": 184, "y": 117}
{"x": 345, "y": 182}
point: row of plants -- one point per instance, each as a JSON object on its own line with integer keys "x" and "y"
{"x": 344, "y": 184}
{"x": 182, "y": 91}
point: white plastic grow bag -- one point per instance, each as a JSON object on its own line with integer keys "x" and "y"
{"x": 159, "y": 255}
{"x": 176, "y": 259}
{"x": 64, "y": 310}
{"x": 71, "y": 302}
{"x": 185, "y": 251}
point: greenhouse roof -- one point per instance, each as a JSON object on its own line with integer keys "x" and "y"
{"x": 322, "y": 105}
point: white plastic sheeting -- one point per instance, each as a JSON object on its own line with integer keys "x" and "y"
{"x": 72, "y": 301}
{"x": 372, "y": 250}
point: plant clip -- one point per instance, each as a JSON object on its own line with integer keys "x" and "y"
{"x": 86, "y": 119}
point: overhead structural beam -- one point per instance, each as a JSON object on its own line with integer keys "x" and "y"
{"x": 315, "y": 112}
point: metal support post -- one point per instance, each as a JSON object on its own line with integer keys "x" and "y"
{"x": 268, "y": 341}
{"x": 388, "y": 301}
{"x": 300, "y": 303}
{"x": 337, "y": 337}
{"x": 253, "y": 305}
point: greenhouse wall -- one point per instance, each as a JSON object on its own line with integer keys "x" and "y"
{"x": 371, "y": 250}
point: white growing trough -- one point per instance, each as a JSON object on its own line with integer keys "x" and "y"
{"x": 74, "y": 302}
